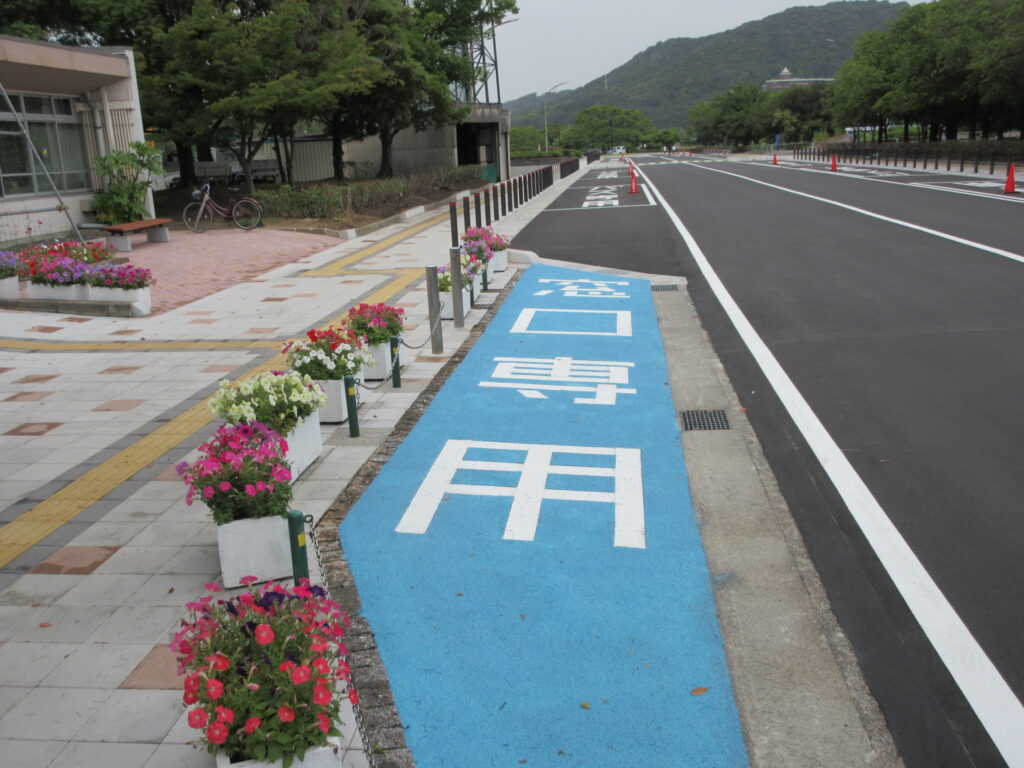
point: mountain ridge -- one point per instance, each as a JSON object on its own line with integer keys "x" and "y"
{"x": 668, "y": 78}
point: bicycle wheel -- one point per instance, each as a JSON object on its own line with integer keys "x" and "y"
{"x": 246, "y": 213}
{"x": 194, "y": 220}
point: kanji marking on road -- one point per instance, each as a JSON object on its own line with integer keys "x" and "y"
{"x": 605, "y": 377}
{"x": 591, "y": 289}
{"x": 568, "y": 322}
{"x": 529, "y": 493}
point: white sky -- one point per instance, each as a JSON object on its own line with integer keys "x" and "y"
{"x": 580, "y": 40}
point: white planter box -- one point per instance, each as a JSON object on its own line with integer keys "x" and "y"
{"x": 139, "y": 298}
{"x": 57, "y": 292}
{"x": 448, "y": 307}
{"x": 490, "y": 273}
{"x": 317, "y": 757}
{"x": 478, "y": 285}
{"x": 381, "y": 368}
{"x": 336, "y": 410}
{"x": 255, "y": 546}
{"x": 304, "y": 444}
{"x": 499, "y": 262}
{"x": 9, "y": 288}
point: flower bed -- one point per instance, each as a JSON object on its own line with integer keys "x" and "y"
{"x": 264, "y": 671}
{"x": 328, "y": 354}
{"x": 377, "y": 323}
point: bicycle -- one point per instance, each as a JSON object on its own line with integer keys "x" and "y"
{"x": 245, "y": 213}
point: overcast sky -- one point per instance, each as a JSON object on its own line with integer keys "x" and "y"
{"x": 580, "y": 40}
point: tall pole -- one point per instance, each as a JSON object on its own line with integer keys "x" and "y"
{"x": 549, "y": 90}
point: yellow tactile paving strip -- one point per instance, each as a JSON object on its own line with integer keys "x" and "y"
{"x": 36, "y": 524}
{"x": 337, "y": 267}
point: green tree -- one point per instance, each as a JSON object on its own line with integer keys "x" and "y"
{"x": 525, "y": 138}
{"x": 606, "y": 126}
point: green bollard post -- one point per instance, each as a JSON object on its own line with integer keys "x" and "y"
{"x": 297, "y": 539}
{"x": 396, "y": 373}
{"x": 485, "y": 279}
{"x": 353, "y": 406}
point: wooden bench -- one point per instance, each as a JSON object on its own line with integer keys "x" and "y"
{"x": 156, "y": 232}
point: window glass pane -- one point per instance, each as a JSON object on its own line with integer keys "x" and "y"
{"x": 78, "y": 180}
{"x": 13, "y": 152}
{"x": 72, "y": 145}
{"x": 63, "y": 107}
{"x": 38, "y": 105}
{"x": 44, "y": 136}
{"x": 18, "y": 185}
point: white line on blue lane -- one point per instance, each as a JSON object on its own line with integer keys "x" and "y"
{"x": 532, "y": 546}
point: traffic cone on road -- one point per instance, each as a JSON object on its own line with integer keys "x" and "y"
{"x": 622, "y": 157}
{"x": 775, "y": 159}
{"x": 633, "y": 187}
{"x": 1011, "y": 184}
{"x": 835, "y": 163}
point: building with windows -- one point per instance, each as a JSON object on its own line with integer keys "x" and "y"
{"x": 787, "y": 79}
{"x": 77, "y": 104}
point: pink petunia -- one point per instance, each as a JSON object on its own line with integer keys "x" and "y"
{"x": 252, "y": 724}
{"x": 323, "y": 721}
{"x": 214, "y": 688}
{"x": 321, "y": 695}
{"x": 285, "y": 714}
{"x": 208, "y": 492}
{"x": 300, "y": 675}
{"x": 217, "y": 733}
{"x": 198, "y": 718}
{"x": 264, "y": 634}
{"x": 250, "y": 489}
{"x": 225, "y": 715}
{"x": 224, "y": 485}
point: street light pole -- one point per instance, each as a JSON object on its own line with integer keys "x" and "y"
{"x": 549, "y": 90}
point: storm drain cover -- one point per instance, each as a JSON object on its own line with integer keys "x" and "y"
{"x": 694, "y": 420}
{"x": 669, "y": 287}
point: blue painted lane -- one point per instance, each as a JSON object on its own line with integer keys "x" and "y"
{"x": 529, "y": 558}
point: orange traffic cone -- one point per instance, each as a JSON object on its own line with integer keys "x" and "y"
{"x": 1011, "y": 184}
{"x": 633, "y": 187}
{"x": 835, "y": 164}
{"x": 622, "y": 157}
{"x": 775, "y": 159}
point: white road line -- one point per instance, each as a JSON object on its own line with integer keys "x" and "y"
{"x": 993, "y": 702}
{"x": 878, "y": 179}
{"x": 898, "y": 222}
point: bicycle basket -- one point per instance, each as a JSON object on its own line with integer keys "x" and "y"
{"x": 197, "y": 194}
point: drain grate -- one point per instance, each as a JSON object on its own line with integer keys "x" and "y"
{"x": 703, "y": 420}
{"x": 669, "y": 287}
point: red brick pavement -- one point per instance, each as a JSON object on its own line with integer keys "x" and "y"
{"x": 194, "y": 265}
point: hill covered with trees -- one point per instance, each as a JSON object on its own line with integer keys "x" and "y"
{"x": 668, "y": 79}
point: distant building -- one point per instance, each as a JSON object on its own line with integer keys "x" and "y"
{"x": 787, "y": 79}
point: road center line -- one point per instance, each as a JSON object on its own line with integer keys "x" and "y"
{"x": 898, "y": 222}
{"x": 996, "y": 706}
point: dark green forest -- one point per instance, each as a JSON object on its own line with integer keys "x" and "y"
{"x": 668, "y": 79}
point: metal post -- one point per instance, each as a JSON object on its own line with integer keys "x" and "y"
{"x": 465, "y": 211}
{"x": 476, "y": 208}
{"x": 297, "y": 540}
{"x": 455, "y": 267}
{"x": 494, "y": 201}
{"x": 487, "y": 206}
{"x": 396, "y": 366}
{"x": 454, "y": 216}
{"x": 434, "y": 311}
{"x": 501, "y": 194}
{"x": 353, "y": 406}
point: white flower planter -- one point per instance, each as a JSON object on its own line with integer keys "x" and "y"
{"x": 317, "y": 757}
{"x": 490, "y": 273}
{"x": 448, "y": 308}
{"x": 74, "y": 292}
{"x": 9, "y": 288}
{"x": 304, "y": 444}
{"x": 336, "y": 410}
{"x": 381, "y": 367}
{"x": 255, "y": 546}
{"x": 139, "y": 298}
{"x": 499, "y": 262}
{"x": 478, "y": 284}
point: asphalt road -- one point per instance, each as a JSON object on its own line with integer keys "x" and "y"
{"x": 894, "y": 308}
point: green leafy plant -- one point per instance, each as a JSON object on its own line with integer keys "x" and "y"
{"x": 127, "y": 176}
{"x": 328, "y": 354}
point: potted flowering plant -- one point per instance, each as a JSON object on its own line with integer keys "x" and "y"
{"x": 286, "y": 402}
{"x": 498, "y": 245}
{"x": 122, "y": 282}
{"x": 444, "y": 286}
{"x": 475, "y": 256}
{"x": 381, "y": 325}
{"x": 328, "y": 357}
{"x": 264, "y": 672}
{"x": 8, "y": 276}
{"x": 242, "y": 476}
{"x": 59, "y": 277}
